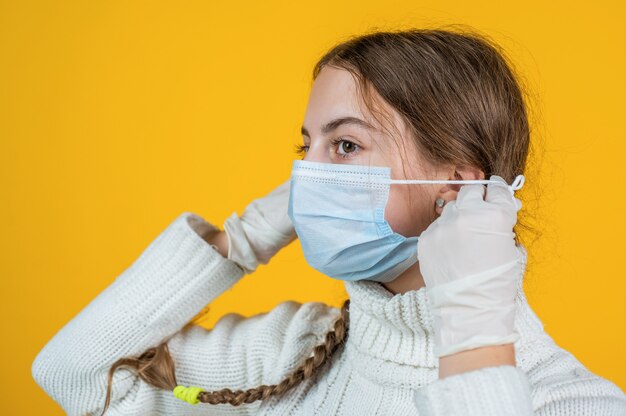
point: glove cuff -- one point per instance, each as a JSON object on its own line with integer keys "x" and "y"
{"x": 239, "y": 249}
{"x": 475, "y": 311}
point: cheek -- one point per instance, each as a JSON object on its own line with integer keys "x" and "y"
{"x": 398, "y": 213}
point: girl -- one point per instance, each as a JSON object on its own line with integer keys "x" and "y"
{"x": 436, "y": 323}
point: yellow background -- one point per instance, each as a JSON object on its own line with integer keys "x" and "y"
{"x": 116, "y": 116}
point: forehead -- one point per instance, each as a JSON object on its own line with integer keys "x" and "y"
{"x": 334, "y": 91}
{"x": 335, "y": 94}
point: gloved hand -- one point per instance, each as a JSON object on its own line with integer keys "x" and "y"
{"x": 261, "y": 231}
{"x": 471, "y": 266}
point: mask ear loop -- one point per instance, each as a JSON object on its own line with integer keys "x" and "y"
{"x": 517, "y": 184}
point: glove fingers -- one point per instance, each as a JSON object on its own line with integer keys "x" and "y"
{"x": 470, "y": 194}
{"x": 270, "y": 211}
{"x": 501, "y": 194}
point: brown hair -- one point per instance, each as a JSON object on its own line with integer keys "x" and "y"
{"x": 458, "y": 95}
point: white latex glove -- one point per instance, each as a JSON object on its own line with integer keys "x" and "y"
{"x": 471, "y": 266}
{"x": 261, "y": 231}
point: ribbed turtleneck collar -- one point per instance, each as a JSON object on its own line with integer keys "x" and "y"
{"x": 396, "y": 330}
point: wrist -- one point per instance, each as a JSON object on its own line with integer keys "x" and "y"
{"x": 474, "y": 359}
{"x": 220, "y": 242}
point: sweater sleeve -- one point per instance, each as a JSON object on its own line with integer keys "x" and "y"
{"x": 564, "y": 386}
{"x": 152, "y": 301}
{"x": 489, "y": 391}
{"x": 508, "y": 390}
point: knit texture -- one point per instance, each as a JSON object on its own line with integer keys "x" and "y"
{"x": 386, "y": 367}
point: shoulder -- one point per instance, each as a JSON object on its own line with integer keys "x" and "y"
{"x": 287, "y": 318}
{"x": 288, "y": 322}
{"x": 270, "y": 345}
{"x": 304, "y": 325}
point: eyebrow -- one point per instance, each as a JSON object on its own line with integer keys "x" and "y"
{"x": 334, "y": 124}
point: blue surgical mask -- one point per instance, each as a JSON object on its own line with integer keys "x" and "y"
{"x": 338, "y": 212}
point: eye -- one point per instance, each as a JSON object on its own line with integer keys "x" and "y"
{"x": 347, "y": 147}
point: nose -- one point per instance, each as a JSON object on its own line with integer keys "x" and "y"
{"x": 317, "y": 154}
{"x": 314, "y": 159}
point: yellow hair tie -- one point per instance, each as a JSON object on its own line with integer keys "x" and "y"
{"x": 188, "y": 394}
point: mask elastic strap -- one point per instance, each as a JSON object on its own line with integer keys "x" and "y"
{"x": 516, "y": 185}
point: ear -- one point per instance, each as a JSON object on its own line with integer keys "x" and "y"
{"x": 464, "y": 173}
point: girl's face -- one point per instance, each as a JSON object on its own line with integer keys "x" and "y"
{"x": 336, "y": 131}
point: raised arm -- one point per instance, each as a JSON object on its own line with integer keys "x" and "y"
{"x": 152, "y": 301}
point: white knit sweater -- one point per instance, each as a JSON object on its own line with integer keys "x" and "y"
{"x": 386, "y": 367}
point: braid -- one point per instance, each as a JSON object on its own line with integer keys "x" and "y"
{"x": 156, "y": 367}
{"x": 321, "y": 354}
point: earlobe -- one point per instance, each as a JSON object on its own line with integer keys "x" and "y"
{"x": 448, "y": 192}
